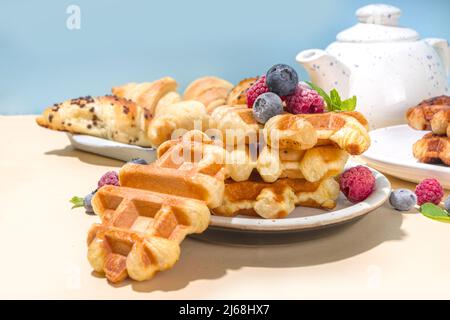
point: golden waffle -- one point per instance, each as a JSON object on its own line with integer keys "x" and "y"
{"x": 313, "y": 164}
{"x": 236, "y": 124}
{"x": 433, "y": 149}
{"x": 237, "y": 95}
{"x": 278, "y": 199}
{"x": 432, "y": 114}
{"x": 187, "y": 169}
{"x": 140, "y": 231}
{"x": 348, "y": 130}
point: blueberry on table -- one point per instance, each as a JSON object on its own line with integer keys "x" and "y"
{"x": 402, "y": 199}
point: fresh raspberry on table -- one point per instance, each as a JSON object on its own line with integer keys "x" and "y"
{"x": 357, "y": 183}
{"x": 304, "y": 100}
{"x": 258, "y": 88}
{"x": 109, "y": 178}
{"x": 429, "y": 190}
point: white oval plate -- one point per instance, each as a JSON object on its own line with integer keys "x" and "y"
{"x": 391, "y": 153}
{"x": 111, "y": 149}
{"x": 303, "y": 218}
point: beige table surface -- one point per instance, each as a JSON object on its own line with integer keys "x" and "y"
{"x": 43, "y": 242}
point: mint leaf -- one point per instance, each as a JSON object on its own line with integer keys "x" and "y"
{"x": 322, "y": 93}
{"x": 434, "y": 212}
{"x": 77, "y": 202}
{"x": 333, "y": 100}
{"x": 349, "y": 104}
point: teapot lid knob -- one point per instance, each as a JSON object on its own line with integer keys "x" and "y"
{"x": 381, "y": 14}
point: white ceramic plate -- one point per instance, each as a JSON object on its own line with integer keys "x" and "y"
{"x": 303, "y": 218}
{"x": 111, "y": 149}
{"x": 391, "y": 153}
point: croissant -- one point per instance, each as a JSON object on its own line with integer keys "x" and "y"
{"x": 146, "y": 94}
{"x": 211, "y": 91}
{"x": 237, "y": 95}
{"x": 184, "y": 115}
{"x": 107, "y": 117}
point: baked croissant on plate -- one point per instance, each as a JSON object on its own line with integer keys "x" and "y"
{"x": 107, "y": 117}
{"x": 211, "y": 91}
{"x": 143, "y": 114}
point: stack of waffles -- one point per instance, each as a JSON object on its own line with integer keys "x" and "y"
{"x": 293, "y": 163}
{"x": 145, "y": 219}
{"x": 236, "y": 167}
{"x": 432, "y": 115}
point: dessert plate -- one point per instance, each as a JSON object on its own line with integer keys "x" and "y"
{"x": 391, "y": 153}
{"x": 111, "y": 149}
{"x": 303, "y": 218}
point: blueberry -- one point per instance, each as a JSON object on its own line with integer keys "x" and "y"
{"x": 402, "y": 199}
{"x": 266, "y": 106}
{"x": 447, "y": 204}
{"x": 282, "y": 80}
{"x": 87, "y": 202}
{"x": 138, "y": 161}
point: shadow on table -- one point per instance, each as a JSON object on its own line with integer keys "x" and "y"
{"x": 202, "y": 260}
{"x": 85, "y": 157}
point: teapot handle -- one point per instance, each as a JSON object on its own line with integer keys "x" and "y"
{"x": 442, "y": 49}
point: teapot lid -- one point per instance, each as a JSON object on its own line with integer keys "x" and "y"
{"x": 377, "y": 23}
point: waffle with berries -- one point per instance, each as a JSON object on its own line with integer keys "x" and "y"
{"x": 347, "y": 130}
{"x": 276, "y": 200}
{"x": 140, "y": 231}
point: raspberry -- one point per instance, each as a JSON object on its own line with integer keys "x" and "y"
{"x": 357, "y": 183}
{"x": 109, "y": 178}
{"x": 429, "y": 190}
{"x": 258, "y": 88}
{"x": 304, "y": 100}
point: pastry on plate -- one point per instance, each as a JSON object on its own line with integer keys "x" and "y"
{"x": 143, "y": 114}
{"x": 140, "y": 231}
{"x": 183, "y": 116}
{"x": 237, "y": 95}
{"x": 431, "y": 114}
{"x": 433, "y": 149}
{"x": 107, "y": 117}
{"x": 211, "y": 91}
{"x": 149, "y": 94}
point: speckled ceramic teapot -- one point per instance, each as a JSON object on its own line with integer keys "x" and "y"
{"x": 387, "y": 67}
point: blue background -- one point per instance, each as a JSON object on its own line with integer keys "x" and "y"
{"x": 42, "y": 61}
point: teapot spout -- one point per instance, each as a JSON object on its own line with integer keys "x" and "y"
{"x": 325, "y": 70}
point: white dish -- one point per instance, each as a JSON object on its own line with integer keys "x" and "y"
{"x": 391, "y": 152}
{"x": 303, "y": 218}
{"x": 111, "y": 149}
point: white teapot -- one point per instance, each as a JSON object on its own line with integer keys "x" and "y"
{"x": 386, "y": 66}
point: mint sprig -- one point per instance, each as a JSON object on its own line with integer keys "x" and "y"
{"x": 434, "y": 212}
{"x": 334, "y": 101}
{"x": 77, "y": 202}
